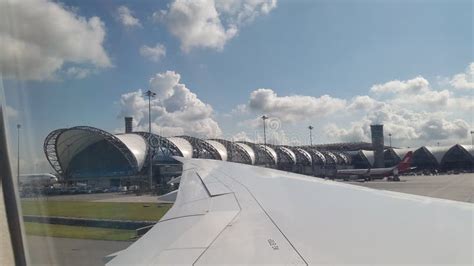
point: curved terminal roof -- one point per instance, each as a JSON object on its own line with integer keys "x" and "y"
{"x": 423, "y": 158}
{"x": 202, "y": 149}
{"x": 137, "y": 145}
{"x": 62, "y": 145}
{"x": 263, "y": 154}
{"x": 344, "y": 159}
{"x": 288, "y": 152}
{"x": 71, "y": 142}
{"x": 330, "y": 157}
{"x": 219, "y": 147}
{"x": 183, "y": 145}
{"x": 437, "y": 152}
{"x": 401, "y": 152}
{"x": 469, "y": 149}
{"x": 304, "y": 154}
{"x": 161, "y": 145}
{"x": 250, "y": 152}
{"x": 317, "y": 157}
{"x": 235, "y": 153}
{"x": 368, "y": 155}
{"x": 458, "y": 153}
{"x": 270, "y": 151}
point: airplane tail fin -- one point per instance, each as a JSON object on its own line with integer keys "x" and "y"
{"x": 405, "y": 164}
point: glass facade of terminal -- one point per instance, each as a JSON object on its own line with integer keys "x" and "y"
{"x": 100, "y": 159}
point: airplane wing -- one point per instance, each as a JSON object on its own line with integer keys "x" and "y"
{"x": 228, "y": 213}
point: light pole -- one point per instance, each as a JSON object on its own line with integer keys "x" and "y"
{"x": 472, "y": 145}
{"x": 264, "y": 117}
{"x": 472, "y": 138}
{"x": 310, "y": 135}
{"x": 390, "y": 139}
{"x": 150, "y": 95}
{"x": 18, "y": 126}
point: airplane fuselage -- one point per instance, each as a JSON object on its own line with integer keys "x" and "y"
{"x": 370, "y": 173}
{"x": 38, "y": 179}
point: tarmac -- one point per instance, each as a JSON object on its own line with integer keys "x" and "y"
{"x": 452, "y": 187}
{"x": 71, "y": 252}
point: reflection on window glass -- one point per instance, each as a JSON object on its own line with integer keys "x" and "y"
{"x": 236, "y": 132}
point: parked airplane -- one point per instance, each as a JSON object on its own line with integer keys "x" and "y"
{"x": 234, "y": 214}
{"x": 39, "y": 180}
{"x": 378, "y": 173}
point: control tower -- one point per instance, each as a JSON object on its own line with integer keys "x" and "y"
{"x": 378, "y": 145}
{"x": 128, "y": 124}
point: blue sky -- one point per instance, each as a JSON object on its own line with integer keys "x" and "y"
{"x": 303, "y": 48}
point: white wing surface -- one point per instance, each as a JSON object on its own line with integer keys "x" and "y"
{"x": 228, "y": 213}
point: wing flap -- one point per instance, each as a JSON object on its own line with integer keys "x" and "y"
{"x": 216, "y": 189}
{"x": 204, "y": 231}
{"x": 252, "y": 237}
{"x": 177, "y": 257}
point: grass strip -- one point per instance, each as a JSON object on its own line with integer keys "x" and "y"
{"x": 81, "y": 232}
{"x": 96, "y": 210}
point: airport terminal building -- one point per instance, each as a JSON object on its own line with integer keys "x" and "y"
{"x": 91, "y": 155}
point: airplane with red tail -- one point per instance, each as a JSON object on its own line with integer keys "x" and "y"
{"x": 378, "y": 173}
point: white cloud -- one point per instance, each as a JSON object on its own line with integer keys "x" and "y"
{"x": 78, "y": 72}
{"x": 402, "y": 106}
{"x": 125, "y": 16}
{"x": 241, "y": 136}
{"x": 281, "y": 137}
{"x": 415, "y": 93}
{"x": 416, "y": 85}
{"x": 274, "y": 137}
{"x": 429, "y": 99}
{"x": 439, "y": 128}
{"x": 240, "y": 109}
{"x": 293, "y": 108}
{"x": 357, "y": 132}
{"x": 153, "y": 53}
{"x": 364, "y": 103}
{"x": 197, "y": 24}
{"x": 461, "y": 104}
{"x": 209, "y": 23}
{"x": 404, "y": 125}
{"x": 411, "y": 110}
{"x": 244, "y": 11}
{"x": 175, "y": 110}
{"x": 37, "y": 37}
{"x": 464, "y": 80}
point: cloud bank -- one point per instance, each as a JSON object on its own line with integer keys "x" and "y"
{"x": 208, "y": 23}
{"x": 411, "y": 110}
{"x": 464, "y": 81}
{"x": 37, "y": 37}
{"x": 126, "y": 18}
{"x": 175, "y": 109}
{"x": 153, "y": 53}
